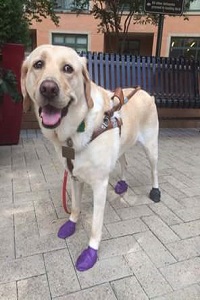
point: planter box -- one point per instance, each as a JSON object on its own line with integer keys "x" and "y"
{"x": 10, "y": 112}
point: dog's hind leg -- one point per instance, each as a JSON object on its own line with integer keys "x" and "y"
{"x": 121, "y": 186}
{"x": 69, "y": 227}
{"x": 151, "y": 149}
{"x": 88, "y": 257}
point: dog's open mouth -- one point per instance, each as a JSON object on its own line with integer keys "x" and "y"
{"x": 51, "y": 116}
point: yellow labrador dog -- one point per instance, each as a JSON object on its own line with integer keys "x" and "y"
{"x": 88, "y": 125}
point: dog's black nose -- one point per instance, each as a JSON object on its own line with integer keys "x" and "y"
{"x": 49, "y": 88}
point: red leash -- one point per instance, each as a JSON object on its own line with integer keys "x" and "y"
{"x": 64, "y": 193}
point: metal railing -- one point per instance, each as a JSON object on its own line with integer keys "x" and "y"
{"x": 174, "y": 82}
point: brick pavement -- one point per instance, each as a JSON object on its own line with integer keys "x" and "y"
{"x": 148, "y": 251}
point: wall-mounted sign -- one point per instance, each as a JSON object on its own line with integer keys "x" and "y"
{"x": 170, "y": 7}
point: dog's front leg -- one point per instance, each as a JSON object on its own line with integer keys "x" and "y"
{"x": 88, "y": 257}
{"x": 68, "y": 228}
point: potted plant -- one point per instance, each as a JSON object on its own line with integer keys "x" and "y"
{"x": 14, "y": 34}
{"x": 15, "y": 19}
{"x": 8, "y": 85}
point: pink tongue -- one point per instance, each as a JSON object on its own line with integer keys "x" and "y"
{"x": 50, "y": 115}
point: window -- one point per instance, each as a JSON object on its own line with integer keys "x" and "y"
{"x": 127, "y": 6}
{"x": 188, "y": 47}
{"x": 130, "y": 47}
{"x": 70, "y": 5}
{"x": 78, "y": 42}
{"x": 194, "y": 6}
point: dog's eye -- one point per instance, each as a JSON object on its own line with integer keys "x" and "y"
{"x": 68, "y": 69}
{"x": 39, "y": 64}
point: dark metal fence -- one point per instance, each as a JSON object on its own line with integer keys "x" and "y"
{"x": 174, "y": 82}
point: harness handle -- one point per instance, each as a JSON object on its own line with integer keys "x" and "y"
{"x": 118, "y": 93}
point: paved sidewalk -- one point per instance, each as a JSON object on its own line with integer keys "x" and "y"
{"x": 149, "y": 251}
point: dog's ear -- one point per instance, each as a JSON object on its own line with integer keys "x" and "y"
{"x": 87, "y": 84}
{"x": 26, "y": 97}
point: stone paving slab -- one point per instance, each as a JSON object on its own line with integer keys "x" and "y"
{"x": 105, "y": 270}
{"x": 17, "y": 269}
{"x": 61, "y": 275}
{"x": 183, "y": 273}
{"x": 128, "y": 288}
{"x": 150, "y": 278}
{"x": 8, "y": 291}
{"x": 148, "y": 251}
{"x": 34, "y": 288}
{"x": 155, "y": 249}
{"x": 191, "y": 292}
{"x": 100, "y": 292}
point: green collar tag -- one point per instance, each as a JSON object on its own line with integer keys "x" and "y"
{"x": 81, "y": 127}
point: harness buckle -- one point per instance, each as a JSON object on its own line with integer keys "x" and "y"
{"x": 105, "y": 122}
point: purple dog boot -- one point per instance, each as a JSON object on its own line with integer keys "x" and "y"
{"x": 66, "y": 229}
{"x": 87, "y": 259}
{"x": 121, "y": 187}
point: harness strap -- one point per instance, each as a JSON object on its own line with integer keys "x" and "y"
{"x": 108, "y": 124}
{"x": 136, "y": 89}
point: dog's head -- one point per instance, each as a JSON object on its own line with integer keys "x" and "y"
{"x": 55, "y": 77}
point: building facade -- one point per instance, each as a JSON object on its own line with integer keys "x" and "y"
{"x": 180, "y": 37}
